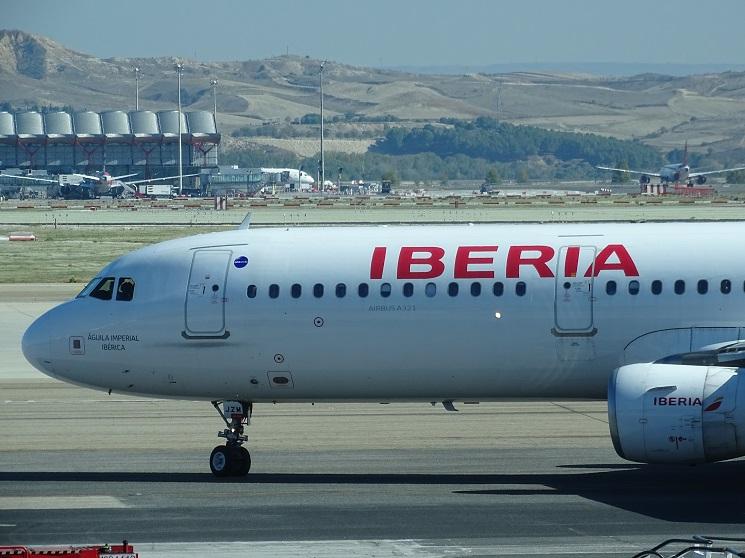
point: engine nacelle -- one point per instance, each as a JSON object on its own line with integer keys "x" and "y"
{"x": 644, "y": 179}
{"x": 701, "y": 180}
{"x": 674, "y": 413}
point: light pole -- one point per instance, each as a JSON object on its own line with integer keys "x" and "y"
{"x": 213, "y": 83}
{"x": 137, "y": 87}
{"x": 323, "y": 161}
{"x": 179, "y": 68}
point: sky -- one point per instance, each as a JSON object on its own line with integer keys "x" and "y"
{"x": 394, "y": 32}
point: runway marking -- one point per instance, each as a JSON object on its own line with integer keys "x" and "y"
{"x": 578, "y": 412}
{"x": 59, "y": 502}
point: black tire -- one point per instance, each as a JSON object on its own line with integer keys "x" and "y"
{"x": 221, "y": 461}
{"x": 242, "y": 462}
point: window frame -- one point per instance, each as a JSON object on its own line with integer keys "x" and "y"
{"x": 611, "y": 287}
{"x": 93, "y": 292}
{"x": 385, "y": 290}
{"x": 656, "y": 287}
{"x": 119, "y": 295}
{"x": 679, "y": 287}
{"x": 340, "y": 290}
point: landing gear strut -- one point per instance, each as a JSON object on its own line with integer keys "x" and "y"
{"x": 232, "y": 459}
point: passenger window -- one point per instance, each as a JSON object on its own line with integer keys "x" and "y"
{"x": 703, "y": 286}
{"x": 318, "y": 290}
{"x": 633, "y": 287}
{"x": 86, "y": 290}
{"x": 453, "y": 289}
{"x": 385, "y": 290}
{"x": 363, "y": 290}
{"x": 251, "y": 291}
{"x": 126, "y": 289}
{"x": 610, "y": 287}
{"x": 430, "y": 290}
{"x": 296, "y": 290}
{"x": 680, "y": 286}
{"x": 656, "y": 286}
{"x": 475, "y": 289}
{"x": 520, "y": 288}
{"x": 498, "y": 289}
{"x": 341, "y": 290}
{"x": 273, "y": 290}
{"x": 725, "y": 286}
{"x": 104, "y": 290}
{"x": 408, "y": 289}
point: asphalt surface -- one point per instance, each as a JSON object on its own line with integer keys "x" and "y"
{"x": 497, "y": 479}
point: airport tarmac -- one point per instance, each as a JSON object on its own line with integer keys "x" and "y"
{"x": 342, "y": 212}
{"x": 496, "y": 479}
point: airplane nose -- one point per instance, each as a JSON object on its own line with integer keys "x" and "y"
{"x": 35, "y": 344}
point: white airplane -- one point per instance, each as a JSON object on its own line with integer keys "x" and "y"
{"x": 293, "y": 176}
{"x": 678, "y": 173}
{"x": 650, "y": 315}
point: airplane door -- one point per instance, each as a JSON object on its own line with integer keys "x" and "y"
{"x": 205, "y": 294}
{"x": 573, "y": 305}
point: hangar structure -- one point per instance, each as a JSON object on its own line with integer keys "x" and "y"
{"x": 143, "y": 142}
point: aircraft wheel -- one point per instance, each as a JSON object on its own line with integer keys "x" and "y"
{"x": 220, "y": 461}
{"x": 242, "y": 463}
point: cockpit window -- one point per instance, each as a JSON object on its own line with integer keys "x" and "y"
{"x": 89, "y": 287}
{"x": 104, "y": 289}
{"x": 126, "y": 289}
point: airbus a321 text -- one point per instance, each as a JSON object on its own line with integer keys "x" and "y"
{"x": 650, "y": 316}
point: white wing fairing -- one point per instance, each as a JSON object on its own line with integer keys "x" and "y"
{"x": 426, "y": 313}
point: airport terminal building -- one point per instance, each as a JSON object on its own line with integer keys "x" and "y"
{"x": 142, "y": 142}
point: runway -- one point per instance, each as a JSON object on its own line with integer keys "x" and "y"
{"x": 504, "y": 479}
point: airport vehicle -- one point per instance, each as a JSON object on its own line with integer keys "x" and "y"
{"x": 651, "y": 315}
{"x": 677, "y": 173}
{"x": 94, "y": 186}
{"x": 124, "y": 550}
{"x": 157, "y": 191}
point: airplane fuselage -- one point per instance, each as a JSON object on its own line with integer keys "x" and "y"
{"x": 395, "y": 313}
{"x": 675, "y": 172}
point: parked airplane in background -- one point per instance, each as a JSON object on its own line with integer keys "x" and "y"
{"x": 93, "y": 186}
{"x": 651, "y": 315}
{"x": 678, "y": 173}
{"x": 301, "y": 179}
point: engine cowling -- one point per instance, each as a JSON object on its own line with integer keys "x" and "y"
{"x": 675, "y": 413}
{"x": 644, "y": 179}
{"x": 701, "y": 180}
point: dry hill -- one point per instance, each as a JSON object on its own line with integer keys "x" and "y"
{"x": 707, "y": 110}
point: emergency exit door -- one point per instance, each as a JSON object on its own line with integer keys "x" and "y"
{"x": 205, "y": 294}
{"x": 573, "y": 307}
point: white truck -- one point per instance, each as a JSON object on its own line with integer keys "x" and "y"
{"x": 157, "y": 190}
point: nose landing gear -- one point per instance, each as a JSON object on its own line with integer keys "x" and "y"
{"x": 232, "y": 459}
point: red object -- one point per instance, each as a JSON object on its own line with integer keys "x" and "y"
{"x": 123, "y": 550}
